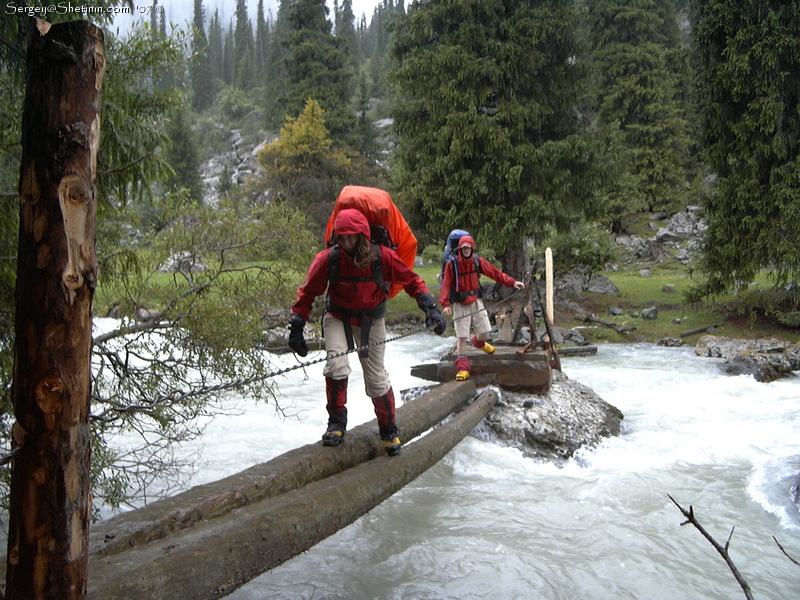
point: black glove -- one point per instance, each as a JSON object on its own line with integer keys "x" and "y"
{"x": 296, "y": 340}
{"x": 432, "y": 315}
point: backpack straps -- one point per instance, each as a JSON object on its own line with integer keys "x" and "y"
{"x": 457, "y": 295}
{"x": 377, "y": 268}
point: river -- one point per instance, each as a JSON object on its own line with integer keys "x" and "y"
{"x": 488, "y": 523}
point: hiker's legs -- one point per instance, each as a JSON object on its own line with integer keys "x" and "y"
{"x": 336, "y": 372}
{"x": 376, "y": 379}
{"x": 335, "y": 343}
{"x": 379, "y": 388}
{"x": 482, "y": 327}
{"x": 336, "y": 395}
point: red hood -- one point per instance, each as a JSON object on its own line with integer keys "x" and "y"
{"x": 466, "y": 240}
{"x": 351, "y": 222}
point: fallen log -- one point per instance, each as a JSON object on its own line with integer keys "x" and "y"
{"x": 577, "y": 350}
{"x": 709, "y": 329}
{"x": 215, "y": 557}
{"x": 588, "y": 318}
{"x": 284, "y": 473}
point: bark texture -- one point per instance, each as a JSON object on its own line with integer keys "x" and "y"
{"x": 56, "y": 273}
{"x": 214, "y": 557}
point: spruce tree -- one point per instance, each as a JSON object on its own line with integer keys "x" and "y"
{"x": 636, "y": 54}
{"x": 183, "y": 158}
{"x": 317, "y": 68}
{"x": 486, "y": 120}
{"x": 244, "y": 61}
{"x": 261, "y": 43}
{"x": 215, "y": 48}
{"x": 749, "y": 95}
{"x": 200, "y": 65}
{"x": 228, "y": 56}
{"x": 275, "y": 76}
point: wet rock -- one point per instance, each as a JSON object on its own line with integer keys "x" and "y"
{"x": 766, "y": 360}
{"x": 554, "y": 425}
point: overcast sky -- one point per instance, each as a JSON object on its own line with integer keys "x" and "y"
{"x": 180, "y": 11}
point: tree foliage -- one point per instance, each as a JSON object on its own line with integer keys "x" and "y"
{"x": 190, "y": 335}
{"x": 200, "y": 65}
{"x": 749, "y": 94}
{"x": 489, "y": 138}
{"x": 302, "y": 167}
{"x": 317, "y": 67}
{"x": 639, "y": 65}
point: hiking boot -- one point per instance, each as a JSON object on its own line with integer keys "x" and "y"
{"x": 332, "y": 438}
{"x": 485, "y": 346}
{"x": 393, "y": 446}
{"x": 462, "y": 375}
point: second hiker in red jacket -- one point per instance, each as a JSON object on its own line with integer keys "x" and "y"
{"x": 461, "y": 297}
{"x": 356, "y": 275}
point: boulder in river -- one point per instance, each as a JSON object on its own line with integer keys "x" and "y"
{"x": 551, "y": 426}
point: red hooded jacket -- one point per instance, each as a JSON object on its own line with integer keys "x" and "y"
{"x": 354, "y": 288}
{"x": 468, "y": 277}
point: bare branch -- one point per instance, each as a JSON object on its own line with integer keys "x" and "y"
{"x": 786, "y": 554}
{"x": 690, "y": 518}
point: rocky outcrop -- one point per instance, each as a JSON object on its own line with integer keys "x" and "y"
{"x": 765, "y": 359}
{"x": 554, "y": 425}
{"x": 682, "y": 235}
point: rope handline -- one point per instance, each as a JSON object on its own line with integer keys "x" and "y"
{"x": 240, "y": 382}
{"x": 484, "y": 309}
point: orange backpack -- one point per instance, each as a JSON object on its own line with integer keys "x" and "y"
{"x": 387, "y": 225}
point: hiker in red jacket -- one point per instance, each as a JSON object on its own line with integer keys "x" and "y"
{"x": 461, "y": 297}
{"x": 357, "y": 274}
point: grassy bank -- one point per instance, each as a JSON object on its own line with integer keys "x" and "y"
{"x": 663, "y": 289}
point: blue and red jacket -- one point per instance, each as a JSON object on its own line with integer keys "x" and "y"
{"x": 463, "y": 275}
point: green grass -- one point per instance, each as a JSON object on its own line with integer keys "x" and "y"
{"x": 675, "y": 315}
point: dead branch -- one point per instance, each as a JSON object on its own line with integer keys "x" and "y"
{"x": 723, "y": 551}
{"x": 588, "y": 318}
{"x": 786, "y": 554}
{"x": 698, "y": 330}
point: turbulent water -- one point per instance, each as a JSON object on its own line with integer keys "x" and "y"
{"x": 486, "y": 522}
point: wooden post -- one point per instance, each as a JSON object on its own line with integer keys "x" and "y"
{"x": 548, "y": 278}
{"x": 56, "y": 274}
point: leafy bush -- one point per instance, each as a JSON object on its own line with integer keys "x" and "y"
{"x": 583, "y": 246}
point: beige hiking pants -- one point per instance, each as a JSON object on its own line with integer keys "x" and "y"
{"x": 376, "y": 379}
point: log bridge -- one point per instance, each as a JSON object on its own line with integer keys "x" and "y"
{"x": 211, "y": 539}
{"x": 514, "y": 367}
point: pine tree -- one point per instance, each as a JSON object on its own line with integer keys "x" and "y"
{"x": 261, "y": 43}
{"x": 749, "y": 94}
{"x": 244, "y": 61}
{"x": 317, "y": 68}
{"x": 346, "y": 31}
{"x": 200, "y": 66}
{"x": 486, "y": 121}
{"x": 636, "y": 55}
{"x": 228, "y": 56}
{"x": 183, "y": 158}
{"x": 275, "y": 76}
{"x": 215, "y": 48}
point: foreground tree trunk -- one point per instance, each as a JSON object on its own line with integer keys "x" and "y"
{"x": 56, "y": 273}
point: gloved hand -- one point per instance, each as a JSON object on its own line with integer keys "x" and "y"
{"x": 296, "y": 340}
{"x": 432, "y": 314}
